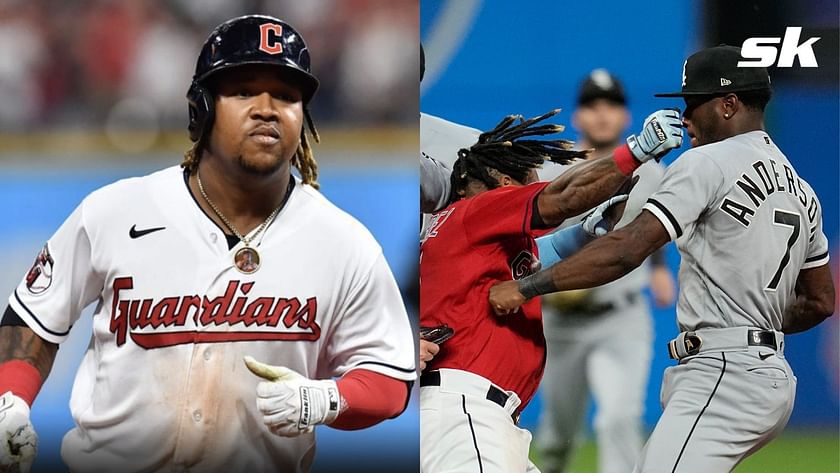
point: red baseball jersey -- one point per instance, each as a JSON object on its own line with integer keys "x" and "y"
{"x": 469, "y": 246}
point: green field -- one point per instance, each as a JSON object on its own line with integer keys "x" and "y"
{"x": 793, "y": 452}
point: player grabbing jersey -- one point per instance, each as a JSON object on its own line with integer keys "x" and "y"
{"x": 474, "y": 388}
{"x": 584, "y": 355}
{"x": 227, "y": 302}
{"x": 440, "y": 141}
{"x": 754, "y": 268}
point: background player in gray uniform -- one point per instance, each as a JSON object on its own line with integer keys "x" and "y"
{"x": 754, "y": 267}
{"x": 584, "y": 355}
{"x": 440, "y": 141}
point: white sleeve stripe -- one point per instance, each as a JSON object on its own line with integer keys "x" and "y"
{"x": 815, "y": 264}
{"x": 27, "y": 315}
{"x": 816, "y": 261}
{"x": 667, "y": 213}
{"x": 817, "y": 257}
{"x": 662, "y": 218}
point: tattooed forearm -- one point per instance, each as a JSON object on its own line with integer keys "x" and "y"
{"x": 579, "y": 189}
{"x": 799, "y": 316}
{"x": 21, "y": 343}
{"x": 814, "y": 300}
{"x": 612, "y": 256}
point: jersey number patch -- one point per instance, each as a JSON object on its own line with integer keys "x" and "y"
{"x": 784, "y": 218}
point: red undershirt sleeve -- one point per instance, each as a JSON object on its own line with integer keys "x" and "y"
{"x": 370, "y": 398}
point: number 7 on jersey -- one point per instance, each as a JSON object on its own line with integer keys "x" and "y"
{"x": 785, "y": 219}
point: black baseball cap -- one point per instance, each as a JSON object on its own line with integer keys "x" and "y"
{"x": 714, "y": 71}
{"x": 600, "y": 84}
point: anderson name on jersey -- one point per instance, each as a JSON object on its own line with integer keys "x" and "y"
{"x": 720, "y": 202}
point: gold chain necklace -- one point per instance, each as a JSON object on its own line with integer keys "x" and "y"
{"x": 246, "y": 259}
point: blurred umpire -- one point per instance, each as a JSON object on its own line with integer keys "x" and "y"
{"x": 599, "y": 340}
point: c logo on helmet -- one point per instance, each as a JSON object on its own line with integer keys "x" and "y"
{"x": 270, "y": 34}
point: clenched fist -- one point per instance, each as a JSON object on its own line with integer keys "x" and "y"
{"x": 661, "y": 132}
{"x": 428, "y": 350}
{"x": 18, "y": 440}
{"x": 292, "y": 404}
{"x": 505, "y": 297}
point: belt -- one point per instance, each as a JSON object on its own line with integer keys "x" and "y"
{"x": 723, "y": 339}
{"x": 494, "y": 394}
{"x": 596, "y": 308}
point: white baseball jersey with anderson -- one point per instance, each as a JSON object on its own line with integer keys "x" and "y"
{"x": 163, "y": 384}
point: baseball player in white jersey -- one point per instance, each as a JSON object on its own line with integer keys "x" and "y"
{"x": 229, "y": 293}
{"x": 584, "y": 355}
{"x": 754, "y": 268}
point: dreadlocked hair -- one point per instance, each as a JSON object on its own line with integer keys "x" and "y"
{"x": 191, "y": 157}
{"x": 303, "y": 160}
{"x": 503, "y": 150}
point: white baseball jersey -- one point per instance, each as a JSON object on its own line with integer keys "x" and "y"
{"x": 745, "y": 224}
{"x": 163, "y": 384}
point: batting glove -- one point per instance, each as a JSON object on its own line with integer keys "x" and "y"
{"x": 292, "y": 404}
{"x": 18, "y": 440}
{"x": 606, "y": 216}
{"x": 661, "y": 132}
{"x": 596, "y": 224}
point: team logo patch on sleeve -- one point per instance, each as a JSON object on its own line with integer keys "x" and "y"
{"x": 39, "y": 277}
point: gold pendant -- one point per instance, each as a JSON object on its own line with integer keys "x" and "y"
{"x": 247, "y": 260}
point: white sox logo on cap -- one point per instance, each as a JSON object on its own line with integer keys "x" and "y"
{"x": 270, "y": 34}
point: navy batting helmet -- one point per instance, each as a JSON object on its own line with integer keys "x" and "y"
{"x": 251, "y": 39}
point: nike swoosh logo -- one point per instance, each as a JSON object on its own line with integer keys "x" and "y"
{"x": 764, "y": 356}
{"x": 135, "y": 233}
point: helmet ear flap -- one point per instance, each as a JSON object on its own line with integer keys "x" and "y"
{"x": 202, "y": 113}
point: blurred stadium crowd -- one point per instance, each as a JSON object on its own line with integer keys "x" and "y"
{"x": 86, "y": 64}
